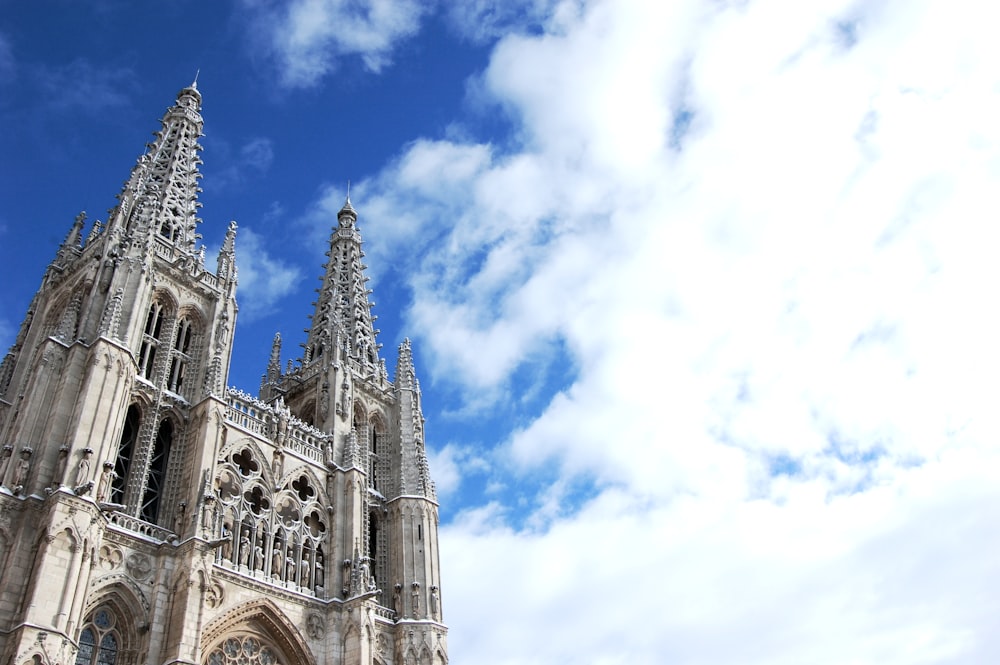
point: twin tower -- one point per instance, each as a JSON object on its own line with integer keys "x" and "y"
{"x": 149, "y": 514}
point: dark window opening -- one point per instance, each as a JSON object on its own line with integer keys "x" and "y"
{"x": 373, "y": 538}
{"x": 157, "y": 472}
{"x": 126, "y": 446}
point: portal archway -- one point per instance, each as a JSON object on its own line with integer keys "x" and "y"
{"x": 256, "y": 633}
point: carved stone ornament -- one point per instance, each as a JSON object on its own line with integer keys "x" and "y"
{"x": 315, "y": 626}
{"x": 109, "y": 557}
{"x": 138, "y": 566}
{"x": 214, "y": 595}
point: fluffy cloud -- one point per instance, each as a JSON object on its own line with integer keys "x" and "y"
{"x": 307, "y": 37}
{"x": 263, "y": 279}
{"x": 483, "y": 21}
{"x": 253, "y": 158}
{"x": 82, "y": 86}
{"x": 760, "y": 231}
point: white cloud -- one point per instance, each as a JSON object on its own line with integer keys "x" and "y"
{"x": 253, "y": 158}
{"x": 306, "y": 38}
{"x": 485, "y": 20}
{"x": 82, "y": 86}
{"x": 451, "y": 464}
{"x": 263, "y": 279}
{"x": 864, "y": 578}
{"x": 258, "y": 153}
{"x": 762, "y": 232}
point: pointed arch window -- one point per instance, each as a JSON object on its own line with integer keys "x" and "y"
{"x": 375, "y": 457}
{"x": 157, "y": 471}
{"x": 180, "y": 356}
{"x": 126, "y": 448}
{"x": 151, "y": 340}
{"x": 100, "y": 640}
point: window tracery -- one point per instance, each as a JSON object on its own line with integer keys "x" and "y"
{"x": 142, "y": 449}
{"x": 100, "y": 640}
{"x": 180, "y": 356}
{"x": 277, "y": 535}
{"x": 157, "y": 471}
{"x": 126, "y": 448}
{"x": 151, "y": 333}
{"x": 243, "y": 650}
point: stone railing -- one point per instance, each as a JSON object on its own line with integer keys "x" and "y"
{"x": 257, "y": 417}
{"x": 195, "y": 262}
{"x": 249, "y": 413}
{"x": 136, "y": 525}
{"x": 385, "y": 612}
{"x": 306, "y": 441}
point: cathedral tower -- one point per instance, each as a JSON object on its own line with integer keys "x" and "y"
{"x": 150, "y": 514}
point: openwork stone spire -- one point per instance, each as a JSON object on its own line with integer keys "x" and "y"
{"x": 343, "y": 318}
{"x": 161, "y": 194}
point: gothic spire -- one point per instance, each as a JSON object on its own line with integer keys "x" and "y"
{"x": 343, "y": 318}
{"x": 226, "y": 264}
{"x": 161, "y": 195}
{"x": 71, "y": 245}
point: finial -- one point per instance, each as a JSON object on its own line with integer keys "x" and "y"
{"x": 348, "y": 208}
{"x": 194, "y": 84}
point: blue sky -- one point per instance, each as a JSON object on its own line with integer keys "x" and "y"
{"x": 703, "y": 295}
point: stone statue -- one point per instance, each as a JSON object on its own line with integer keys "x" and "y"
{"x": 434, "y": 603}
{"x": 83, "y": 469}
{"x": 364, "y": 575}
{"x": 207, "y": 509}
{"x": 258, "y": 557}
{"x": 415, "y": 600}
{"x": 304, "y": 572}
{"x": 276, "y": 561}
{"x": 60, "y": 467}
{"x": 178, "y": 518}
{"x": 324, "y": 400}
{"x": 245, "y": 548}
{"x": 227, "y": 545}
{"x": 345, "y": 575}
{"x": 318, "y": 575}
{"x": 5, "y": 460}
{"x": 107, "y": 477}
{"x": 21, "y": 470}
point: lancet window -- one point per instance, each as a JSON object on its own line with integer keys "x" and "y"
{"x": 145, "y": 498}
{"x": 126, "y": 448}
{"x": 378, "y": 457}
{"x": 157, "y": 471}
{"x": 151, "y": 340}
{"x": 100, "y": 640}
{"x": 278, "y": 535}
{"x": 180, "y": 356}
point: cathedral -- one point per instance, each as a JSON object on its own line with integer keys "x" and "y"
{"x": 150, "y": 514}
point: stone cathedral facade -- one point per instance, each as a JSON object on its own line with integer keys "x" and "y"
{"x": 150, "y": 514}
